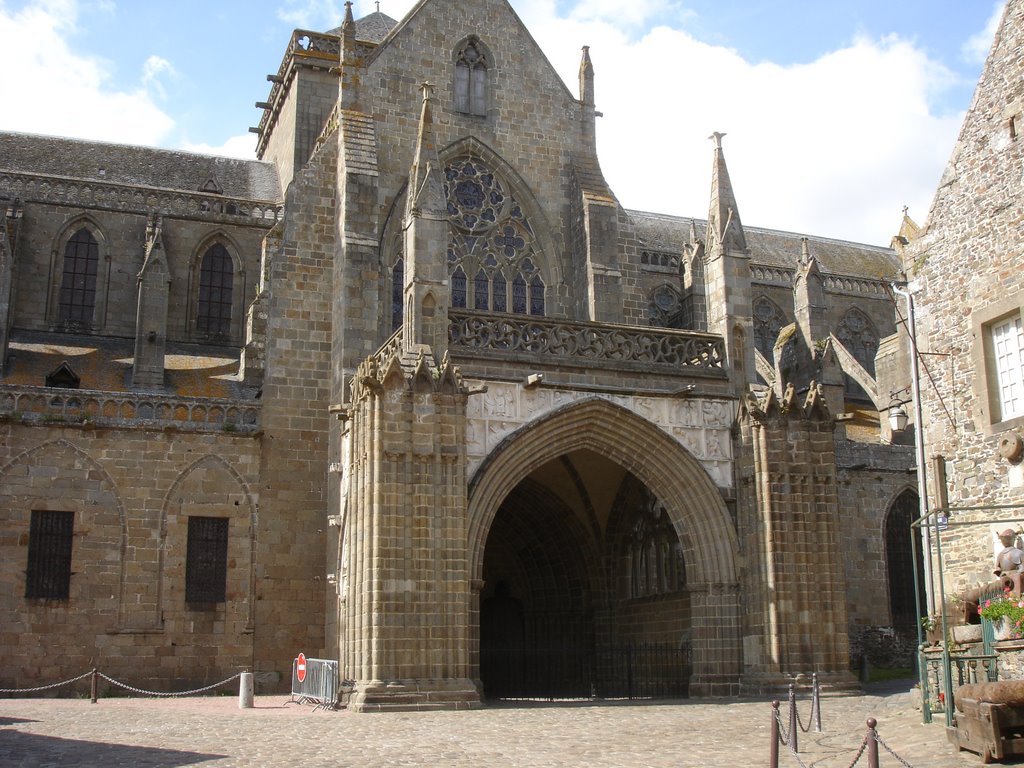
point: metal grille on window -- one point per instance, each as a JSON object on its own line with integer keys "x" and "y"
{"x": 216, "y": 283}
{"x": 50, "y": 536}
{"x": 206, "y": 563}
{"x": 78, "y": 284}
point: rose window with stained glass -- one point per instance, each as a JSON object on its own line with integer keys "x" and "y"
{"x": 493, "y": 256}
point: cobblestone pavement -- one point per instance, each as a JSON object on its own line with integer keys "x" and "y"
{"x": 213, "y": 731}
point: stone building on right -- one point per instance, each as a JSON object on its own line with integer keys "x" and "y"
{"x": 966, "y": 271}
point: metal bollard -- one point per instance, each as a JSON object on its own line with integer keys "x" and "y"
{"x": 773, "y": 752}
{"x": 872, "y": 743}
{"x": 245, "y": 690}
{"x": 93, "y": 684}
{"x": 794, "y": 743}
{"x": 816, "y": 704}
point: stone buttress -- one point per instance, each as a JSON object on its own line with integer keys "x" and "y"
{"x": 793, "y": 582}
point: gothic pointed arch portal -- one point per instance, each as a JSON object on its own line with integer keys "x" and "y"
{"x": 593, "y": 533}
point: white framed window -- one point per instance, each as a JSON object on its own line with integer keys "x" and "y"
{"x": 1008, "y": 366}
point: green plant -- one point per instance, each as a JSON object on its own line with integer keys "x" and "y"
{"x": 1008, "y": 606}
{"x": 929, "y": 622}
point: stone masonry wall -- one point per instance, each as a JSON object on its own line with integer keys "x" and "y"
{"x": 131, "y": 492}
{"x": 967, "y": 265}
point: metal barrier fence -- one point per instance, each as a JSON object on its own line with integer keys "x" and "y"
{"x": 315, "y": 681}
{"x": 869, "y": 745}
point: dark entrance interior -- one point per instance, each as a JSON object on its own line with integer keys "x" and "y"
{"x": 584, "y": 588}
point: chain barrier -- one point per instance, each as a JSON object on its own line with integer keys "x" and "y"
{"x": 785, "y": 742}
{"x": 889, "y": 749}
{"x": 95, "y": 673}
{"x": 46, "y": 687}
{"x": 127, "y": 687}
{"x": 868, "y": 744}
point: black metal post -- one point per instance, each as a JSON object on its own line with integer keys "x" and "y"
{"x": 773, "y": 752}
{"x": 872, "y": 738}
{"x": 816, "y": 702}
{"x": 794, "y": 743}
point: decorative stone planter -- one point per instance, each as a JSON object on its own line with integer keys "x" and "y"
{"x": 966, "y": 633}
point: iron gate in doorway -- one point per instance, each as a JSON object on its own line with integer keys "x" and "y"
{"x": 632, "y": 671}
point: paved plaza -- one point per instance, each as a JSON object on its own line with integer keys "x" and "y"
{"x": 213, "y": 731}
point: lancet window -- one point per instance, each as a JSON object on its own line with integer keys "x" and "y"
{"x": 857, "y": 333}
{"x": 78, "y": 283}
{"x": 768, "y": 321}
{"x": 216, "y": 286}
{"x": 471, "y": 79}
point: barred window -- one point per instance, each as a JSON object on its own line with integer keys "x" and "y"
{"x": 216, "y": 282}
{"x": 206, "y": 563}
{"x": 78, "y": 284}
{"x": 48, "y": 575}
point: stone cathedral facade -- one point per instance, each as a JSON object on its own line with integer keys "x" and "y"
{"x": 415, "y": 391}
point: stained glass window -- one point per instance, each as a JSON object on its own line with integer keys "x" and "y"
{"x": 536, "y": 295}
{"x": 491, "y": 239}
{"x": 519, "y": 295}
{"x": 480, "y": 291}
{"x": 500, "y": 291}
{"x": 459, "y": 288}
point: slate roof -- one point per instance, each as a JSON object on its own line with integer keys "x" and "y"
{"x": 134, "y": 165}
{"x": 372, "y": 28}
{"x": 104, "y": 363}
{"x": 773, "y": 248}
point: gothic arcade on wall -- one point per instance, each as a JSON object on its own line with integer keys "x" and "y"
{"x": 416, "y": 392}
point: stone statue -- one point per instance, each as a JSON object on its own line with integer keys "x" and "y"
{"x": 1010, "y": 560}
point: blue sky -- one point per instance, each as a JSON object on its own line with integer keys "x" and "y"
{"x": 837, "y": 113}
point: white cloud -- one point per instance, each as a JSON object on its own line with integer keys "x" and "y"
{"x": 152, "y": 70}
{"x": 312, "y": 14}
{"x": 977, "y": 45}
{"x": 835, "y": 147}
{"x": 58, "y": 91}
{"x": 242, "y": 146}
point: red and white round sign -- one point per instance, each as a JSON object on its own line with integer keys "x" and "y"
{"x": 300, "y": 667}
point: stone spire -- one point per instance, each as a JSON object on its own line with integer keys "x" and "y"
{"x": 588, "y": 114}
{"x": 348, "y": 82}
{"x": 724, "y": 227}
{"x": 426, "y": 293}
{"x": 727, "y": 275}
{"x": 586, "y": 78}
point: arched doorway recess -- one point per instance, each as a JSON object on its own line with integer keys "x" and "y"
{"x": 593, "y": 529}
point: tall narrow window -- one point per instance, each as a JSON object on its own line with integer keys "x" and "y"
{"x": 536, "y": 295}
{"x": 78, "y": 284}
{"x": 481, "y": 284}
{"x": 216, "y": 283}
{"x": 500, "y": 289}
{"x": 519, "y": 295}
{"x": 397, "y": 288}
{"x": 459, "y": 288}
{"x": 471, "y": 80}
{"x": 48, "y": 575}
{"x": 206, "y": 563}
{"x": 1008, "y": 343}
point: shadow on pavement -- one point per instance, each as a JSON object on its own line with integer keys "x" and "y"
{"x": 30, "y": 749}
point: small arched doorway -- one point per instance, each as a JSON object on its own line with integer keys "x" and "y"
{"x": 597, "y": 542}
{"x": 905, "y": 608}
